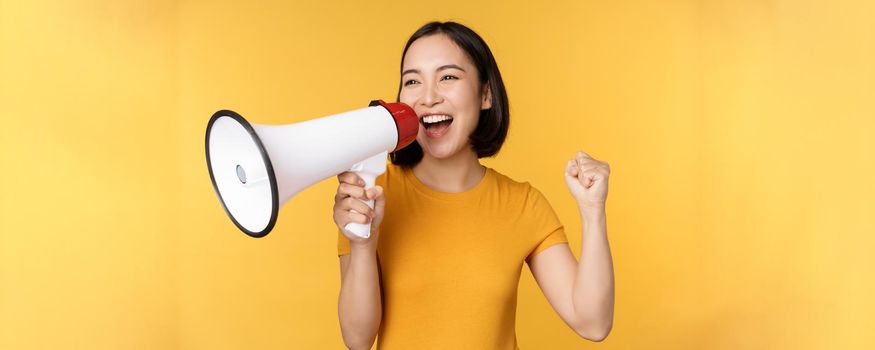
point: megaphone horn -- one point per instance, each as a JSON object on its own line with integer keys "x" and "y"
{"x": 255, "y": 169}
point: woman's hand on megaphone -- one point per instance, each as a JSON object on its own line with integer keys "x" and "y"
{"x": 350, "y": 206}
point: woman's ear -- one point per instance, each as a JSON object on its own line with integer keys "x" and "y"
{"x": 486, "y": 101}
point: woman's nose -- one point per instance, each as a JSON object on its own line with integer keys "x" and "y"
{"x": 431, "y": 96}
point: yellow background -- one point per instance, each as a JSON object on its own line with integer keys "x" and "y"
{"x": 740, "y": 135}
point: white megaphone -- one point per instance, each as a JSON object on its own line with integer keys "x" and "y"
{"x": 255, "y": 169}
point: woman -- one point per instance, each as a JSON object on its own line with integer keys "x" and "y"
{"x": 448, "y": 235}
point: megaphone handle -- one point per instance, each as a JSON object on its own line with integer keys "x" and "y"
{"x": 362, "y": 230}
{"x": 368, "y": 170}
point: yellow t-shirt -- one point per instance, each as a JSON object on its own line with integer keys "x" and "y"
{"x": 450, "y": 262}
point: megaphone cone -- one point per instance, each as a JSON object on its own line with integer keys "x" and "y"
{"x": 255, "y": 169}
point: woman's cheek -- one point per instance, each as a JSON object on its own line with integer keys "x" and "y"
{"x": 406, "y": 97}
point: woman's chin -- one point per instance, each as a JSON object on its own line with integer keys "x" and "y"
{"x": 440, "y": 151}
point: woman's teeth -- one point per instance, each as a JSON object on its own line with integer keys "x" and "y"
{"x": 436, "y": 125}
{"x": 436, "y": 118}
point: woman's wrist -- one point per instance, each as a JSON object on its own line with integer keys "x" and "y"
{"x": 368, "y": 246}
{"x": 593, "y": 221}
{"x": 591, "y": 209}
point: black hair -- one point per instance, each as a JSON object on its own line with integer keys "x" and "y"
{"x": 492, "y": 126}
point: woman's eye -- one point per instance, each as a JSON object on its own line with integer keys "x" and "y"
{"x": 449, "y": 77}
{"x": 410, "y": 82}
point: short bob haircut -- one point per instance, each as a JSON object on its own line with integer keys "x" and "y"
{"x": 487, "y": 138}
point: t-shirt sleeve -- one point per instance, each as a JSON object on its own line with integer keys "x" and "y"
{"x": 545, "y": 225}
{"x": 342, "y": 244}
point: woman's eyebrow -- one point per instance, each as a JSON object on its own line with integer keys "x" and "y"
{"x": 449, "y": 66}
{"x": 446, "y": 66}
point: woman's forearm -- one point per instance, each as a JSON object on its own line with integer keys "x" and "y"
{"x": 360, "y": 306}
{"x": 593, "y": 294}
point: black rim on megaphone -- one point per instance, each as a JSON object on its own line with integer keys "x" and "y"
{"x": 271, "y": 176}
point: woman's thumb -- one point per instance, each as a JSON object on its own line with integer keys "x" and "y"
{"x": 376, "y": 192}
{"x": 378, "y": 195}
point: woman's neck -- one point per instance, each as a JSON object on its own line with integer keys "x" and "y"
{"x": 458, "y": 173}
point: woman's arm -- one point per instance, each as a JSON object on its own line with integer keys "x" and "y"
{"x": 359, "y": 305}
{"x": 582, "y": 293}
{"x": 593, "y": 294}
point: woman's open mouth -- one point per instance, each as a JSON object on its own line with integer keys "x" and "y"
{"x": 436, "y": 125}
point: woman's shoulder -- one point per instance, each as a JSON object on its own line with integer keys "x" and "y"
{"x": 393, "y": 174}
{"x": 511, "y": 187}
{"x": 523, "y": 196}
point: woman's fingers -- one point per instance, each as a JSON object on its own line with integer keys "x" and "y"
{"x": 572, "y": 169}
{"x": 352, "y": 210}
{"x": 350, "y": 203}
{"x": 379, "y": 205}
{"x": 358, "y": 218}
{"x": 587, "y": 168}
{"x": 374, "y": 192}
{"x": 351, "y": 178}
{"x": 346, "y": 190}
{"x": 343, "y": 217}
{"x": 350, "y": 206}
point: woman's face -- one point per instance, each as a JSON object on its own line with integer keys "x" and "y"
{"x": 442, "y": 85}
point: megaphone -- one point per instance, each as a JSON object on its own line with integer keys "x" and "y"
{"x": 255, "y": 169}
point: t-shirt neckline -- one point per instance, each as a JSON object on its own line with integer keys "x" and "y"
{"x": 473, "y": 192}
